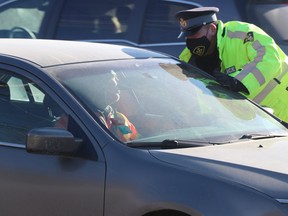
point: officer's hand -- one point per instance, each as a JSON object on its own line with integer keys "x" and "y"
{"x": 230, "y": 82}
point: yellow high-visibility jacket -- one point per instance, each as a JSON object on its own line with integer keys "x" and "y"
{"x": 251, "y": 56}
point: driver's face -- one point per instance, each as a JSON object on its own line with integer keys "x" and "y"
{"x": 112, "y": 93}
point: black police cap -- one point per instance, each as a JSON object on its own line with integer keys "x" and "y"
{"x": 193, "y": 19}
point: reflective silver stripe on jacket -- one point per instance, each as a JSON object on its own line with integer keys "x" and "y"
{"x": 251, "y": 67}
{"x": 271, "y": 85}
{"x": 237, "y": 34}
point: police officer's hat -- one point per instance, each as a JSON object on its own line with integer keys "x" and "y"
{"x": 192, "y": 20}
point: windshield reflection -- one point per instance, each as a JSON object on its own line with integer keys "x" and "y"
{"x": 164, "y": 99}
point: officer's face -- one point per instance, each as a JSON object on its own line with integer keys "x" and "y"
{"x": 209, "y": 31}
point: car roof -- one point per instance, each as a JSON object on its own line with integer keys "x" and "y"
{"x": 47, "y": 53}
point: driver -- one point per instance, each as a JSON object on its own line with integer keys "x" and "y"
{"x": 117, "y": 122}
{"x": 103, "y": 98}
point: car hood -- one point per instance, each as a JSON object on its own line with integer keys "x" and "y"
{"x": 259, "y": 164}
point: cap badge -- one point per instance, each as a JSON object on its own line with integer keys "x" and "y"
{"x": 199, "y": 50}
{"x": 183, "y": 23}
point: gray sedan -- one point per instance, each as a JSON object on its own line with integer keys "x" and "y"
{"x": 98, "y": 129}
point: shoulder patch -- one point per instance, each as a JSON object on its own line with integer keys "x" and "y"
{"x": 249, "y": 37}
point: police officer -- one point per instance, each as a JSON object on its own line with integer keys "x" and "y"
{"x": 241, "y": 56}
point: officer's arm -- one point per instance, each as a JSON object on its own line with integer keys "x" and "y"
{"x": 264, "y": 65}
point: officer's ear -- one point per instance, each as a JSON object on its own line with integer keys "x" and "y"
{"x": 212, "y": 29}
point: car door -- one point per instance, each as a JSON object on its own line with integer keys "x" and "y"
{"x": 40, "y": 184}
{"x": 101, "y": 20}
{"x": 142, "y": 23}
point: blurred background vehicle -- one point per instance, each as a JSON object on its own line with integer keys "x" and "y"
{"x": 141, "y": 23}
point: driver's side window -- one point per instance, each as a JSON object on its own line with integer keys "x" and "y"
{"x": 24, "y": 106}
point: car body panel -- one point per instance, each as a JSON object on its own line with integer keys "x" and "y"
{"x": 243, "y": 161}
{"x": 193, "y": 183}
{"x": 24, "y": 183}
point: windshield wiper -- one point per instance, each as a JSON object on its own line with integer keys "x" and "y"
{"x": 168, "y": 144}
{"x": 260, "y": 136}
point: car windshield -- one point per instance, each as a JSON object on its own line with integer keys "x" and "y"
{"x": 167, "y": 100}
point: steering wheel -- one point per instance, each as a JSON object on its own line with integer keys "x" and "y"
{"x": 22, "y": 30}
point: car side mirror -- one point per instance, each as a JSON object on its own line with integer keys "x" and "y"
{"x": 52, "y": 141}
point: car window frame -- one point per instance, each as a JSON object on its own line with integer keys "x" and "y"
{"x": 129, "y": 38}
{"x": 94, "y": 143}
{"x": 52, "y": 16}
